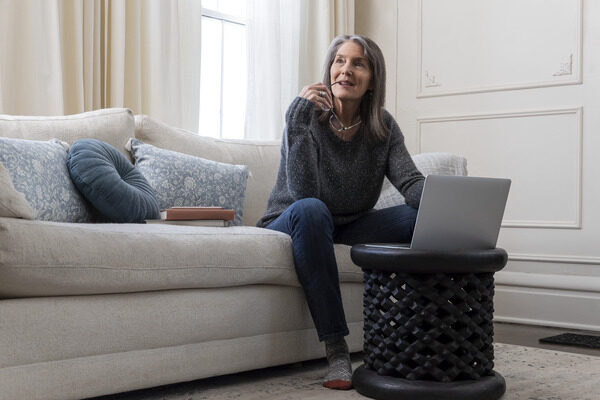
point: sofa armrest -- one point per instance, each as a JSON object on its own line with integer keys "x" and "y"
{"x": 427, "y": 163}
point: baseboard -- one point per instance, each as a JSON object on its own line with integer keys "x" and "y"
{"x": 547, "y": 306}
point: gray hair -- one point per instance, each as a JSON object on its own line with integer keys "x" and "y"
{"x": 371, "y": 106}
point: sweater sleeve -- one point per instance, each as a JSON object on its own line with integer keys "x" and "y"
{"x": 300, "y": 151}
{"x": 401, "y": 170}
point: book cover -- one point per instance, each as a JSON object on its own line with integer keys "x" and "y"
{"x": 192, "y": 213}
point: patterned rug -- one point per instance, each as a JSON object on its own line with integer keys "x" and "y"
{"x": 574, "y": 339}
{"x": 530, "y": 373}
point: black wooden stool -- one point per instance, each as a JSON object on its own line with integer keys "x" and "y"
{"x": 428, "y": 324}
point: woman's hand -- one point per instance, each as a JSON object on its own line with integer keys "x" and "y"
{"x": 319, "y": 95}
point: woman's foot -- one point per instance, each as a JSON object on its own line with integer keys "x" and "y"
{"x": 339, "y": 375}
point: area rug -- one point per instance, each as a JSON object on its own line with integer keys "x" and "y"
{"x": 530, "y": 373}
{"x": 574, "y": 339}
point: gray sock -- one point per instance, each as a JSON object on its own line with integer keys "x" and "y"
{"x": 339, "y": 375}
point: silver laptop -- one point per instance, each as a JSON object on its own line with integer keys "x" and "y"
{"x": 459, "y": 213}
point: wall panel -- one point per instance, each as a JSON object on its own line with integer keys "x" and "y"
{"x": 472, "y": 45}
{"x": 539, "y": 150}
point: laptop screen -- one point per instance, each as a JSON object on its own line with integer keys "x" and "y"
{"x": 460, "y": 212}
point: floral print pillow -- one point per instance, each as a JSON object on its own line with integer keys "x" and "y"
{"x": 38, "y": 169}
{"x": 182, "y": 180}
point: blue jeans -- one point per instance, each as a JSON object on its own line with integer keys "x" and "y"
{"x": 310, "y": 225}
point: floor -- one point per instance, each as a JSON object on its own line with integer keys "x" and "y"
{"x": 554, "y": 373}
{"x": 528, "y": 335}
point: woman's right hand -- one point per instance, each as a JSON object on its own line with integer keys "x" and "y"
{"x": 318, "y": 94}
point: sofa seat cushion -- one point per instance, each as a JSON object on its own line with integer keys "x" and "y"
{"x": 39, "y": 258}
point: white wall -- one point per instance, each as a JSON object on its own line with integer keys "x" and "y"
{"x": 514, "y": 86}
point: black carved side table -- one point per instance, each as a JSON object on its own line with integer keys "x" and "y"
{"x": 428, "y": 330}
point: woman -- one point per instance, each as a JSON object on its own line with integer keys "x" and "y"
{"x": 338, "y": 145}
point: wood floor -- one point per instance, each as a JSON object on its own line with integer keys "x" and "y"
{"x": 529, "y": 335}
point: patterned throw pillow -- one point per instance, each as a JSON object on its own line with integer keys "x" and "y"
{"x": 427, "y": 163}
{"x": 182, "y": 180}
{"x": 38, "y": 169}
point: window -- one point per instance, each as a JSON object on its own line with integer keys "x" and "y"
{"x": 223, "y": 77}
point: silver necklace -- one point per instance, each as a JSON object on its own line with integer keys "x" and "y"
{"x": 344, "y": 128}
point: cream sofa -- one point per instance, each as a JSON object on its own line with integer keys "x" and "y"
{"x": 93, "y": 309}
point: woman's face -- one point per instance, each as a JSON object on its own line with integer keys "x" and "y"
{"x": 352, "y": 70}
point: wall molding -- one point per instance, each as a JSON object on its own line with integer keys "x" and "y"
{"x": 563, "y": 70}
{"x": 577, "y": 283}
{"x": 577, "y": 111}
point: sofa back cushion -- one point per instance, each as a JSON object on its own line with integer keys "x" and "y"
{"x": 112, "y": 125}
{"x": 261, "y": 157}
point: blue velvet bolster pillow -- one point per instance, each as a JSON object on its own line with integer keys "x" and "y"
{"x": 110, "y": 182}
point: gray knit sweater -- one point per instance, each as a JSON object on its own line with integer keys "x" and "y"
{"x": 346, "y": 175}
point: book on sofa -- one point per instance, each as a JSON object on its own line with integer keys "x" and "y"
{"x": 192, "y": 222}
{"x": 199, "y": 216}
{"x": 197, "y": 213}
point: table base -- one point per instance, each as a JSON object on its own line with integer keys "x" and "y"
{"x": 368, "y": 383}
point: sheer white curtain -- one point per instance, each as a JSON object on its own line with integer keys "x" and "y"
{"x": 287, "y": 42}
{"x": 64, "y": 57}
